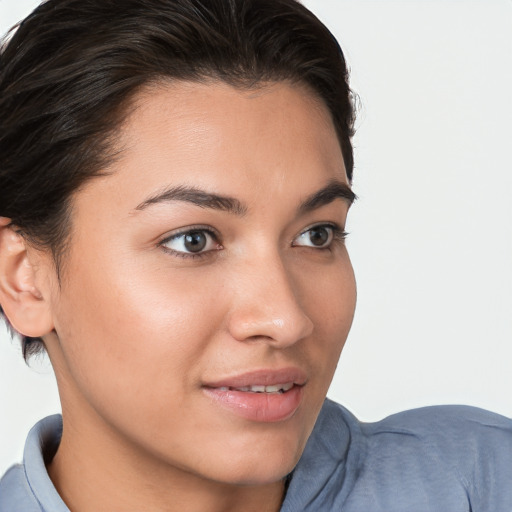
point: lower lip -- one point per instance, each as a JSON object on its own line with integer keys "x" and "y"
{"x": 261, "y": 407}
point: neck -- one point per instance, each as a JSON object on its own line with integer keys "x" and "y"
{"x": 95, "y": 470}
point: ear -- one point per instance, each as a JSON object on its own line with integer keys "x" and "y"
{"x": 21, "y": 300}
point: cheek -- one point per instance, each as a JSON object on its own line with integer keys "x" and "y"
{"x": 133, "y": 337}
{"x": 330, "y": 299}
{"x": 330, "y": 294}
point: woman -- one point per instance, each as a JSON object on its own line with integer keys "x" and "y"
{"x": 175, "y": 181}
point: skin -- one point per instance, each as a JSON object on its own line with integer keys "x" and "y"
{"x": 134, "y": 330}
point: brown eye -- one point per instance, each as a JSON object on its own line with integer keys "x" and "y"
{"x": 317, "y": 236}
{"x": 193, "y": 241}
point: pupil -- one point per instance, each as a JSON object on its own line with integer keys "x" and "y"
{"x": 195, "y": 241}
{"x": 319, "y": 236}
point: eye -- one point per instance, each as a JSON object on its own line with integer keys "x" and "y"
{"x": 191, "y": 242}
{"x": 320, "y": 236}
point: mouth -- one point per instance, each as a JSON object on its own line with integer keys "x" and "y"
{"x": 276, "y": 388}
{"x": 261, "y": 396}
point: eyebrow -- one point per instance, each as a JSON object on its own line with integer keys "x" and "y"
{"x": 198, "y": 197}
{"x": 334, "y": 190}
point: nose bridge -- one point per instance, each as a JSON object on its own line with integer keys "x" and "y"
{"x": 266, "y": 305}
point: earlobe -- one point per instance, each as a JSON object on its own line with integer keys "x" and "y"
{"x": 21, "y": 300}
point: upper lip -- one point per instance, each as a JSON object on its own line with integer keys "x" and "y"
{"x": 264, "y": 377}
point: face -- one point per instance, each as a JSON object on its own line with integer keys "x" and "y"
{"x": 207, "y": 293}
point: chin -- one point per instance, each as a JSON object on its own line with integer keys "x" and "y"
{"x": 256, "y": 474}
{"x": 260, "y": 461}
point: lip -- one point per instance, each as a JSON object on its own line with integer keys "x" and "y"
{"x": 259, "y": 407}
{"x": 265, "y": 377}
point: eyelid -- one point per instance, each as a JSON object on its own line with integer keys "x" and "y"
{"x": 187, "y": 229}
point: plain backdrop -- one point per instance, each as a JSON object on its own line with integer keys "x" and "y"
{"x": 431, "y": 237}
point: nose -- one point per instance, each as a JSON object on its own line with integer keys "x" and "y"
{"x": 266, "y": 306}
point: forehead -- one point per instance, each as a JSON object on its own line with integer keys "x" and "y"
{"x": 211, "y": 103}
{"x": 225, "y": 139}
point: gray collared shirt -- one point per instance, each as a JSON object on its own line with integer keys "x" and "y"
{"x": 434, "y": 459}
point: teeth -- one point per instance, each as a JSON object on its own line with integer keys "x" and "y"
{"x": 273, "y": 389}
{"x": 276, "y": 388}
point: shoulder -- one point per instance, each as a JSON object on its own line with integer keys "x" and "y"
{"x": 445, "y": 415}
{"x": 452, "y": 436}
{"x": 15, "y": 492}
{"x": 456, "y": 429}
{"x": 453, "y": 458}
{"x": 460, "y": 453}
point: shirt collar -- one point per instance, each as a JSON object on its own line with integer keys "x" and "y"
{"x": 41, "y": 445}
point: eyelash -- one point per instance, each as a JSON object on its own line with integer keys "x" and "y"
{"x": 338, "y": 238}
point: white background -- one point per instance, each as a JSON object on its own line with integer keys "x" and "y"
{"x": 431, "y": 237}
